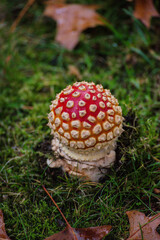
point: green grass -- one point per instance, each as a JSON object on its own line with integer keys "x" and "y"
{"x": 38, "y": 69}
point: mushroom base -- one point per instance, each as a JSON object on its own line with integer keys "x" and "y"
{"x": 90, "y": 171}
{"x": 86, "y": 170}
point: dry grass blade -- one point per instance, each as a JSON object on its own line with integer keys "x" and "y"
{"x": 21, "y": 14}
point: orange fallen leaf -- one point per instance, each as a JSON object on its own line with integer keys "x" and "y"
{"x": 3, "y": 234}
{"x": 145, "y": 10}
{"x": 71, "y": 20}
{"x": 142, "y": 227}
{"x": 69, "y": 233}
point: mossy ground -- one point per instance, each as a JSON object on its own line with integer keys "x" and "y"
{"x": 33, "y": 69}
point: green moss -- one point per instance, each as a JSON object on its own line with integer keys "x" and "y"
{"x": 120, "y": 60}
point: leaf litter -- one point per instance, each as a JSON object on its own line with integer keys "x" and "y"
{"x": 71, "y": 20}
{"x": 3, "y": 234}
{"x": 145, "y": 10}
{"x": 142, "y": 227}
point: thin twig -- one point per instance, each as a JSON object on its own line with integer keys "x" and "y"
{"x": 69, "y": 226}
{"x": 21, "y": 14}
{"x": 57, "y": 207}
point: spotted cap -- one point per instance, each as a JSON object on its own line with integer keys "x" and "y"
{"x": 85, "y": 115}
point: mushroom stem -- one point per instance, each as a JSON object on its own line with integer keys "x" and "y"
{"x": 86, "y": 170}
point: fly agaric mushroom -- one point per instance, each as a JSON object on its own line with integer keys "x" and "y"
{"x": 86, "y": 121}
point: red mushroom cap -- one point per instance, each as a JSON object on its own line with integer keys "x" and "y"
{"x": 85, "y": 115}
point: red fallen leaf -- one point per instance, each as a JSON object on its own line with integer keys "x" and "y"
{"x": 142, "y": 227}
{"x": 145, "y": 10}
{"x": 3, "y": 234}
{"x": 69, "y": 233}
{"x": 71, "y": 20}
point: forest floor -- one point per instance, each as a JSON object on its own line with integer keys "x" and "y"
{"x": 33, "y": 69}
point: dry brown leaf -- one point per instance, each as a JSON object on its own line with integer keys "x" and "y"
{"x": 72, "y": 70}
{"x": 145, "y": 10}
{"x": 3, "y": 234}
{"x": 71, "y": 20}
{"x": 140, "y": 225}
{"x": 92, "y": 233}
